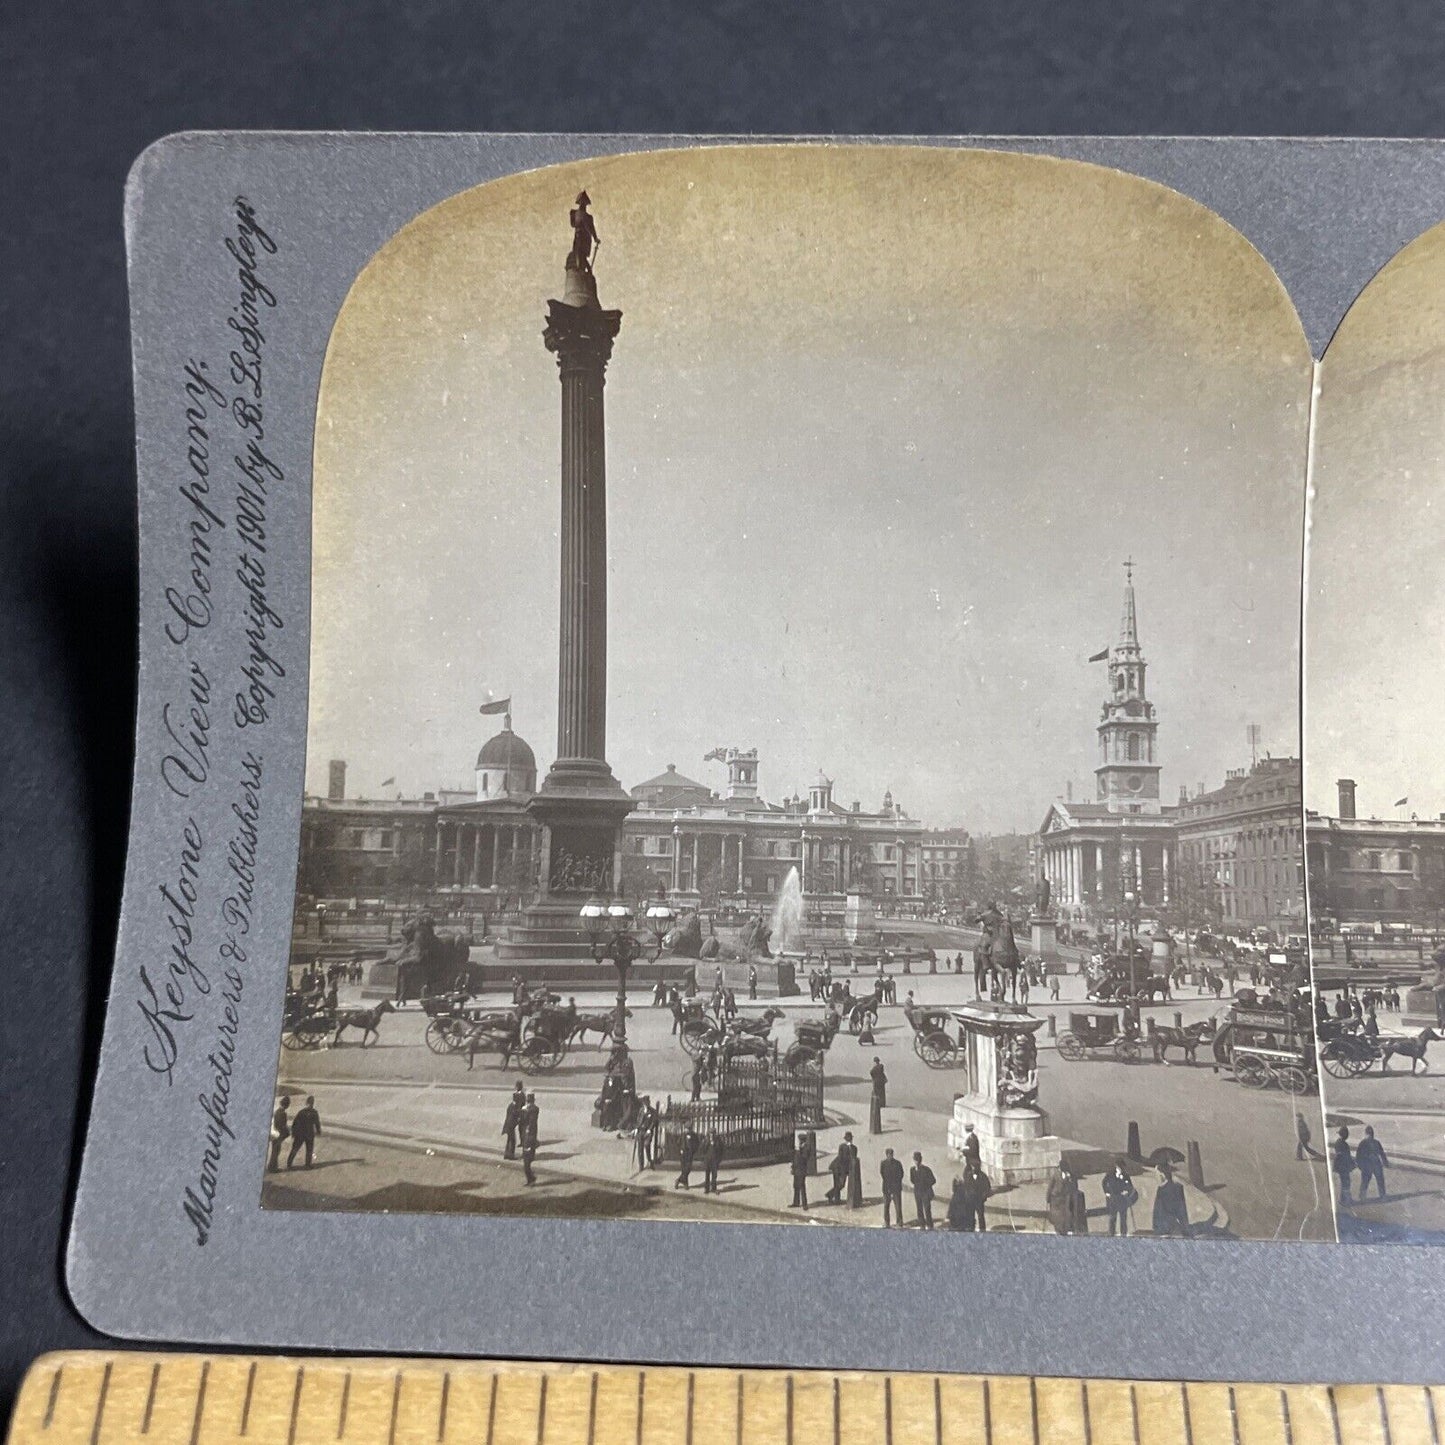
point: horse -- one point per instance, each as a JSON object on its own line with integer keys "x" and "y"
{"x": 1412, "y": 1049}
{"x": 365, "y": 1019}
{"x": 1188, "y": 1039}
{"x": 996, "y": 956}
{"x": 759, "y": 1027}
{"x": 603, "y": 1024}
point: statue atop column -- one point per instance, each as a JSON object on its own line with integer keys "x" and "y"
{"x": 1043, "y": 896}
{"x": 585, "y": 240}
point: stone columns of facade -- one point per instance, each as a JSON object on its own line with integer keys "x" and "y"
{"x": 696, "y": 873}
{"x": 676, "y": 859}
{"x": 742, "y": 846}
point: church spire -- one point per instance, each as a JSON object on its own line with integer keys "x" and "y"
{"x": 1129, "y": 627}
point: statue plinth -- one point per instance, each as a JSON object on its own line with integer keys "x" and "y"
{"x": 1044, "y": 941}
{"x": 1001, "y": 1101}
{"x": 858, "y": 924}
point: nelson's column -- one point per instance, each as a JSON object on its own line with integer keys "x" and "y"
{"x": 580, "y": 805}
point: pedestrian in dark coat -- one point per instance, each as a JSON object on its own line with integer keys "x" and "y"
{"x": 1342, "y": 1162}
{"x": 971, "y": 1147}
{"x": 977, "y": 1187}
{"x": 800, "y": 1177}
{"x": 922, "y": 1178}
{"x": 840, "y": 1169}
{"x": 307, "y": 1125}
{"x": 890, "y": 1171}
{"x": 1171, "y": 1209}
{"x": 711, "y": 1162}
{"x": 752, "y": 981}
{"x": 527, "y": 1128}
{"x": 1302, "y": 1149}
{"x": 1369, "y": 1158}
{"x": 855, "y": 1181}
{"x": 879, "y": 1099}
{"x": 960, "y": 1216}
{"x": 1059, "y": 1199}
{"x": 512, "y": 1121}
{"x": 690, "y": 1141}
{"x": 1119, "y": 1197}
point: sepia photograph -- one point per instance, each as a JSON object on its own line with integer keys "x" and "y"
{"x": 804, "y": 713}
{"x": 1375, "y": 616}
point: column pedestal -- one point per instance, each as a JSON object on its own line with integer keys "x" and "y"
{"x": 858, "y": 918}
{"x": 1044, "y": 941}
{"x": 1001, "y": 1100}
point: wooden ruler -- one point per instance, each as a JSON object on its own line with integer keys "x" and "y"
{"x": 91, "y": 1398}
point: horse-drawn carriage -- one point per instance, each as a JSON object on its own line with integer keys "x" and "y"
{"x": 1099, "y": 1032}
{"x": 932, "y": 1041}
{"x": 1118, "y": 978}
{"x": 307, "y": 1022}
{"x": 748, "y": 1036}
{"x": 1346, "y": 1052}
{"x": 538, "y": 1039}
{"x": 811, "y": 1040}
{"x": 1263, "y": 1046}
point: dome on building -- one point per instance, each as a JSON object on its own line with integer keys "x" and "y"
{"x": 507, "y": 750}
{"x": 506, "y": 766}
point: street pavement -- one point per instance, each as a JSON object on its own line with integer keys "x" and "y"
{"x": 421, "y": 1131}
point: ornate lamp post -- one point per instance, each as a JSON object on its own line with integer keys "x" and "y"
{"x": 612, "y": 938}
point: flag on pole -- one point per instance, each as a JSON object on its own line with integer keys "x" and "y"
{"x": 490, "y": 709}
{"x": 1400, "y": 802}
{"x": 387, "y": 782}
{"x": 1100, "y": 656}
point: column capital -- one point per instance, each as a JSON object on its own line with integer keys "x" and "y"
{"x": 580, "y": 337}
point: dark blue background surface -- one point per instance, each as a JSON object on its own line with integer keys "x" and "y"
{"x": 85, "y": 90}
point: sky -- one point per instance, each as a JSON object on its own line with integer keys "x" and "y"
{"x": 1375, "y": 614}
{"x": 882, "y": 426}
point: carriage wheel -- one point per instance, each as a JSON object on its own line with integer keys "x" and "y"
{"x": 458, "y": 1036}
{"x": 290, "y": 1039}
{"x": 1337, "y": 1064}
{"x": 694, "y": 1037}
{"x": 1127, "y": 1050}
{"x": 1251, "y": 1072}
{"x": 1361, "y": 1062}
{"x": 1071, "y": 1048}
{"x": 1293, "y": 1079}
{"x": 439, "y": 1036}
{"x": 539, "y": 1056}
{"x": 936, "y": 1050}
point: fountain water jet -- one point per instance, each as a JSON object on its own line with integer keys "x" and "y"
{"x": 787, "y": 931}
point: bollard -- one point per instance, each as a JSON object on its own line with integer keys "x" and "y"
{"x": 1196, "y": 1165}
{"x": 1053, "y": 1026}
{"x": 1135, "y": 1150}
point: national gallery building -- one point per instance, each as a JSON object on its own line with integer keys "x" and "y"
{"x": 715, "y": 847}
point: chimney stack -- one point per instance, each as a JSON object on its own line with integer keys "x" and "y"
{"x": 1347, "y": 797}
{"x": 336, "y": 781}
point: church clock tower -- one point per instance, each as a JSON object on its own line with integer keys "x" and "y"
{"x": 1128, "y": 770}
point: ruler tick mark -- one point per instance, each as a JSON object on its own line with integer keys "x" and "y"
{"x": 1285, "y": 1417}
{"x": 1088, "y": 1419}
{"x": 641, "y": 1392}
{"x": 1034, "y": 1407}
{"x": 591, "y": 1413}
{"x": 937, "y": 1411}
{"x": 1334, "y": 1412}
{"x": 790, "y": 1410}
{"x": 691, "y": 1387}
{"x": 1188, "y": 1416}
{"x": 987, "y": 1414}
{"x": 1233, "y": 1418}
{"x": 442, "y": 1408}
{"x": 541, "y": 1409}
{"x": 200, "y": 1402}
{"x": 345, "y": 1401}
{"x": 395, "y": 1406}
{"x": 54, "y": 1396}
{"x": 295, "y": 1404}
{"x": 888, "y": 1409}
{"x": 1384, "y": 1414}
{"x": 100, "y": 1404}
{"x": 740, "y": 1410}
{"x": 145, "y": 1419}
{"x": 837, "y": 1410}
{"x": 1429, "y": 1414}
{"x": 246, "y": 1403}
{"x": 492, "y": 1409}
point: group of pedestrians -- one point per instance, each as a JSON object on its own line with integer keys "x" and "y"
{"x": 711, "y": 1151}
{"x": 519, "y": 1128}
{"x": 1368, "y": 1157}
{"x": 302, "y": 1130}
